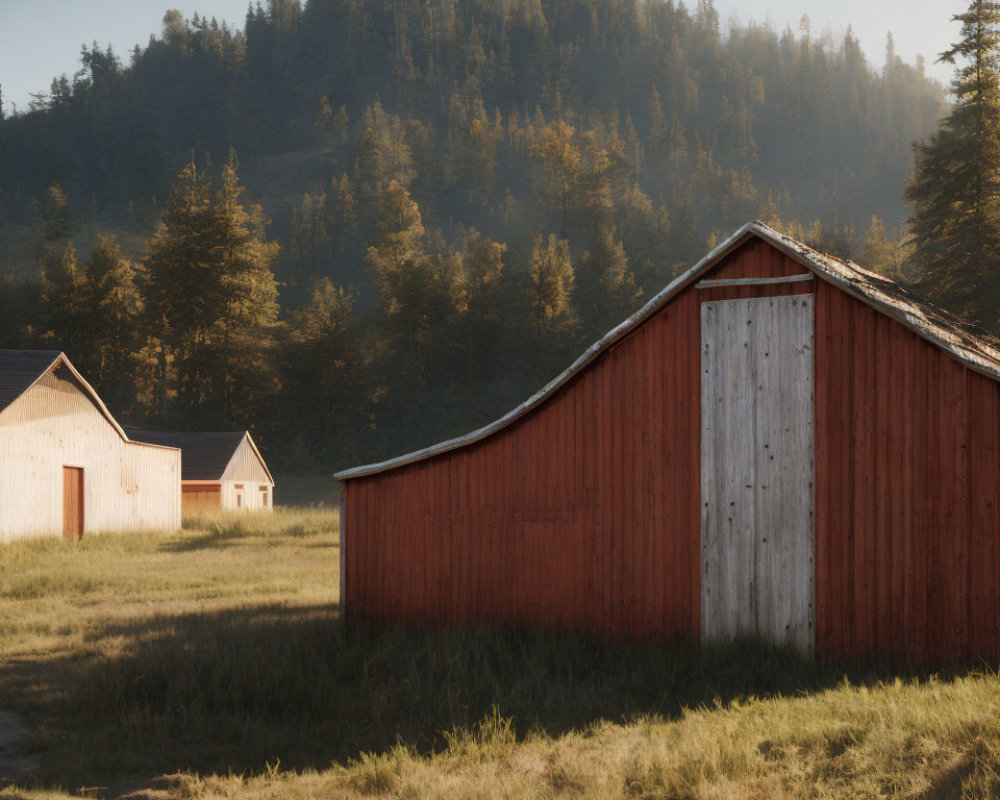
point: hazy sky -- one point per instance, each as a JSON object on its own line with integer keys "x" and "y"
{"x": 40, "y": 39}
{"x": 919, "y": 27}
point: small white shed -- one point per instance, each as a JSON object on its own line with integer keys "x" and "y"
{"x": 220, "y": 471}
{"x": 66, "y": 466}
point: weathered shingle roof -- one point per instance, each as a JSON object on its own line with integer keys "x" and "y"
{"x": 968, "y": 344}
{"x": 19, "y": 369}
{"x": 204, "y": 455}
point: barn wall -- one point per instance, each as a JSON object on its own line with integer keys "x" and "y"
{"x": 907, "y": 444}
{"x": 582, "y": 515}
{"x": 585, "y": 513}
{"x": 245, "y": 470}
{"x": 126, "y": 485}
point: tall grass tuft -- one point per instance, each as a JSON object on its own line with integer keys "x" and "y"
{"x": 281, "y": 522}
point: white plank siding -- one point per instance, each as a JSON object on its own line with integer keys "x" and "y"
{"x": 246, "y": 470}
{"x": 757, "y": 470}
{"x": 54, "y": 424}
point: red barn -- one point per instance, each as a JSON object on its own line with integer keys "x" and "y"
{"x": 779, "y": 444}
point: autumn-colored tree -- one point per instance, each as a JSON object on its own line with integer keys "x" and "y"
{"x": 552, "y": 280}
{"x": 607, "y": 285}
{"x": 558, "y": 158}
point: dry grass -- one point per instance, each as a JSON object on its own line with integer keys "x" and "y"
{"x": 211, "y": 664}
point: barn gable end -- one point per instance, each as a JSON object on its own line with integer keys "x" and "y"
{"x": 582, "y": 509}
{"x": 57, "y": 423}
{"x": 247, "y": 464}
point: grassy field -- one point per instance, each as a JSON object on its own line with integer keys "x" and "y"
{"x": 212, "y": 664}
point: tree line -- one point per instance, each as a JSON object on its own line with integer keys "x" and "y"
{"x": 359, "y": 227}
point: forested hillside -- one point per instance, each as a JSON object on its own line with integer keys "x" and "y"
{"x": 455, "y": 198}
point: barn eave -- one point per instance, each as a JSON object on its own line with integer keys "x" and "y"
{"x": 972, "y": 348}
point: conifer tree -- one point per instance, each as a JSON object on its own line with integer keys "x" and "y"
{"x": 955, "y": 191}
{"x": 54, "y": 222}
{"x": 324, "y": 121}
{"x": 66, "y": 292}
{"x": 116, "y": 309}
{"x": 878, "y": 253}
{"x": 552, "y": 280}
{"x": 558, "y": 159}
{"x": 610, "y": 290}
{"x": 212, "y": 296}
{"x": 321, "y": 370}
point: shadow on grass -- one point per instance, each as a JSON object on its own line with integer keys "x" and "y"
{"x": 237, "y": 690}
{"x": 227, "y": 529}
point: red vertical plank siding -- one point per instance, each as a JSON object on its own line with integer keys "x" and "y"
{"x": 585, "y": 513}
{"x": 911, "y": 433}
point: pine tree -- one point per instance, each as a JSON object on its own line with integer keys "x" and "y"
{"x": 67, "y": 293}
{"x": 321, "y": 368}
{"x": 212, "y": 297}
{"x": 558, "y": 159}
{"x": 54, "y": 223}
{"x": 483, "y": 324}
{"x": 878, "y": 253}
{"x": 955, "y": 191}
{"x": 552, "y": 280}
{"x": 323, "y": 124}
{"x": 608, "y": 285}
{"x": 420, "y": 289}
{"x": 116, "y": 311}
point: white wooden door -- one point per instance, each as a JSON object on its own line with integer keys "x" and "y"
{"x": 757, "y": 470}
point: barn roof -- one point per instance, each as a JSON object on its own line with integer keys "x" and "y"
{"x": 968, "y": 344}
{"x": 204, "y": 455}
{"x": 19, "y": 369}
{"x": 22, "y": 369}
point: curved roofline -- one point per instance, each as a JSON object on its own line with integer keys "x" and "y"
{"x": 941, "y": 332}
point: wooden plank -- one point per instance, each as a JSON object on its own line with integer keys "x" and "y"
{"x": 732, "y": 282}
{"x": 727, "y": 607}
{"x": 591, "y": 508}
{"x": 922, "y": 505}
{"x": 849, "y": 426}
{"x": 822, "y": 487}
{"x": 902, "y": 503}
{"x": 690, "y": 461}
{"x": 629, "y": 537}
{"x": 862, "y": 479}
{"x": 757, "y": 467}
{"x": 659, "y": 567}
{"x": 646, "y": 424}
{"x": 605, "y": 565}
{"x": 883, "y": 423}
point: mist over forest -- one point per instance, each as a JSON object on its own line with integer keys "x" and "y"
{"x": 360, "y": 227}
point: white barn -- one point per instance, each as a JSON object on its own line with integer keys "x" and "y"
{"x": 66, "y": 466}
{"x": 221, "y": 471}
